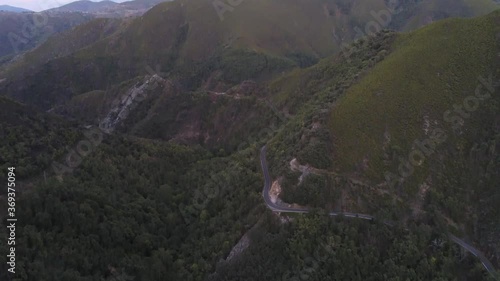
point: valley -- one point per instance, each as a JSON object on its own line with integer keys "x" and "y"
{"x": 142, "y": 132}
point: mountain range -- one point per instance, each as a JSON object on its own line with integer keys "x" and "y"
{"x": 193, "y": 36}
{"x": 137, "y": 141}
{"x": 109, "y": 8}
{"x": 21, "y": 32}
{"x": 7, "y": 8}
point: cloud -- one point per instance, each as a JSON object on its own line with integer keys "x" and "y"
{"x": 35, "y": 5}
{"x": 38, "y": 5}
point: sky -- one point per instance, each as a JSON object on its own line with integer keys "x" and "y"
{"x": 40, "y": 5}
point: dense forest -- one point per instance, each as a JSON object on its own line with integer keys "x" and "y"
{"x": 138, "y": 209}
{"x": 174, "y": 190}
{"x": 317, "y": 247}
{"x": 128, "y": 210}
{"x": 30, "y": 139}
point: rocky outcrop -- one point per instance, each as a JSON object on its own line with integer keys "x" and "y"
{"x": 124, "y": 104}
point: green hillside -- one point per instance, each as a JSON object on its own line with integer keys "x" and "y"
{"x": 308, "y": 95}
{"x": 20, "y": 32}
{"x": 402, "y": 92}
{"x": 174, "y": 183}
{"x": 188, "y": 39}
{"x": 67, "y": 43}
{"x": 192, "y": 39}
{"x": 424, "y": 124}
{"x": 356, "y": 120}
{"x": 30, "y": 139}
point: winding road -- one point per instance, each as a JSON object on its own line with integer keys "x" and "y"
{"x": 486, "y": 263}
{"x": 276, "y": 208}
{"x": 283, "y": 209}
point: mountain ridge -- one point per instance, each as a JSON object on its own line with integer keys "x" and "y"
{"x": 8, "y": 8}
{"x": 193, "y": 33}
{"x": 190, "y": 100}
{"x": 109, "y": 8}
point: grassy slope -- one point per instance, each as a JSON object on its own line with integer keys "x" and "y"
{"x": 430, "y": 70}
{"x": 307, "y": 95}
{"x": 279, "y": 27}
{"x": 412, "y": 83}
{"x": 278, "y": 30}
{"x": 184, "y": 38}
{"x": 165, "y": 36}
{"x": 377, "y": 122}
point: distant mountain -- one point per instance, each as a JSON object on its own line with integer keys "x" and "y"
{"x": 401, "y": 126}
{"x": 412, "y": 14}
{"x": 109, "y": 8}
{"x": 14, "y": 39}
{"x": 198, "y": 41}
{"x": 86, "y": 6}
{"x": 7, "y": 8}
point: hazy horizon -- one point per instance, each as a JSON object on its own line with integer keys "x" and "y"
{"x": 40, "y": 5}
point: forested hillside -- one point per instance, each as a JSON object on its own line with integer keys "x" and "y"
{"x": 137, "y": 144}
{"x": 378, "y": 132}
{"x": 20, "y": 32}
{"x": 30, "y": 139}
{"x": 196, "y": 41}
{"x": 316, "y": 247}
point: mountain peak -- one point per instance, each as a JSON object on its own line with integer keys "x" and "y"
{"x": 108, "y": 8}
{"x": 8, "y": 8}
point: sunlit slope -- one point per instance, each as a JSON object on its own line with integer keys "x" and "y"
{"x": 198, "y": 28}
{"x": 405, "y": 96}
{"x": 188, "y": 39}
